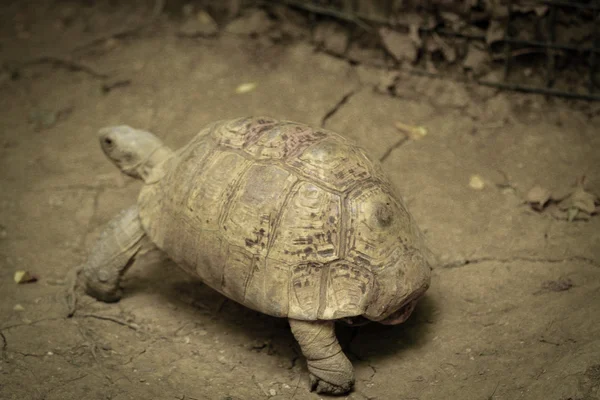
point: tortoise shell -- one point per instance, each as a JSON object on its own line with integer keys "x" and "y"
{"x": 286, "y": 219}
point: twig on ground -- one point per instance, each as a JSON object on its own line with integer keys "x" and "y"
{"x": 316, "y": 9}
{"x": 93, "y": 352}
{"x": 65, "y": 62}
{"x": 260, "y": 386}
{"x": 130, "y": 325}
{"x": 29, "y": 323}
{"x": 463, "y": 262}
{"x": 71, "y": 293}
{"x": 4, "y": 343}
{"x": 519, "y": 52}
{"x": 389, "y": 151}
{"x": 297, "y": 386}
{"x": 491, "y": 396}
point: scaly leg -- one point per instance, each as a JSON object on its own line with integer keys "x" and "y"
{"x": 330, "y": 370}
{"x": 113, "y": 253}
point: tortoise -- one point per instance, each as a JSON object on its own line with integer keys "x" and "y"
{"x": 286, "y": 219}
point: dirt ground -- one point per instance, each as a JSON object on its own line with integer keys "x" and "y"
{"x": 514, "y": 307}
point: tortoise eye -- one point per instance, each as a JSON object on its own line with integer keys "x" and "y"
{"x": 108, "y": 141}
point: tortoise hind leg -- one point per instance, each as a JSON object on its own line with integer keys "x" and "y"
{"x": 111, "y": 256}
{"x": 330, "y": 370}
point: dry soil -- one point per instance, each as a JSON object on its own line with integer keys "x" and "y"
{"x": 514, "y": 307}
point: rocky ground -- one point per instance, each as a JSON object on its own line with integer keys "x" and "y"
{"x": 494, "y": 179}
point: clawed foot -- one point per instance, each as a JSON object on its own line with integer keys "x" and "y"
{"x": 107, "y": 296}
{"x": 113, "y": 253}
{"x": 322, "y": 387}
{"x": 101, "y": 284}
{"x": 93, "y": 285}
{"x": 330, "y": 370}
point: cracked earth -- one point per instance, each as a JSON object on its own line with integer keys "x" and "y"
{"x": 514, "y": 307}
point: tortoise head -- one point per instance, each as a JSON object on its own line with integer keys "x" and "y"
{"x": 400, "y": 286}
{"x": 134, "y": 151}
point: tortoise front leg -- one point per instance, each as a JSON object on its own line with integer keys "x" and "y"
{"x": 330, "y": 370}
{"x": 113, "y": 253}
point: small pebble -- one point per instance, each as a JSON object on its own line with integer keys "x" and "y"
{"x": 18, "y": 307}
{"x": 476, "y": 182}
{"x": 246, "y": 87}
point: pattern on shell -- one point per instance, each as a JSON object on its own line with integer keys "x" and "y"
{"x": 286, "y": 219}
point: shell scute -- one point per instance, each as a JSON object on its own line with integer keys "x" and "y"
{"x": 283, "y": 140}
{"x": 332, "y": 163}
{"x": 378, "y": 225}
{"x": 309, "y": 226}
{"x": 240, "y": 132}
{"x": 349, "y": 289}
{"x": 253, "y": 212}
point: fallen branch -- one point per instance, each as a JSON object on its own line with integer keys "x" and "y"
{"x": 65, "y": 62}
{"x": 72, "y": 281}
{"x": 316, "y": 9}
{"x": 395, "y": 146}
{"x": 518, "y": 52}
{"x": 130, "y": 325}
{"x": 462, "y": 263}
{"x": 4, "y": 343}
{"x": 93, "y": 347}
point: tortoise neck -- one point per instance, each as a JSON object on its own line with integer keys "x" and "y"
{"x": 149, "y": 168}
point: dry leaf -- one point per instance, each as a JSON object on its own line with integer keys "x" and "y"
{"x": 413, "y": 132}
{"x": 400, "y": 46}
{"x": 387, "y": 81}
{"x": 495, "y": 32}
{"x": 413, "y": 34}
{"x": 580, "y": 200}
{"x": 24, "y": 277}
{"x": 539, "y": 10}
{"x": 253, "y": 22}
{"x": 476, "y": 182}
{"x": 332, "y": 36}
{"x": 583, "y": 200}
{"x": 246, "y": 87}
{"x": 538, "y": 197}
{"x": 476, "y": 59}
{"x": 572, "y": 214}
{"x": 200, "y": 25}
{"x": 448, "y": 51}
